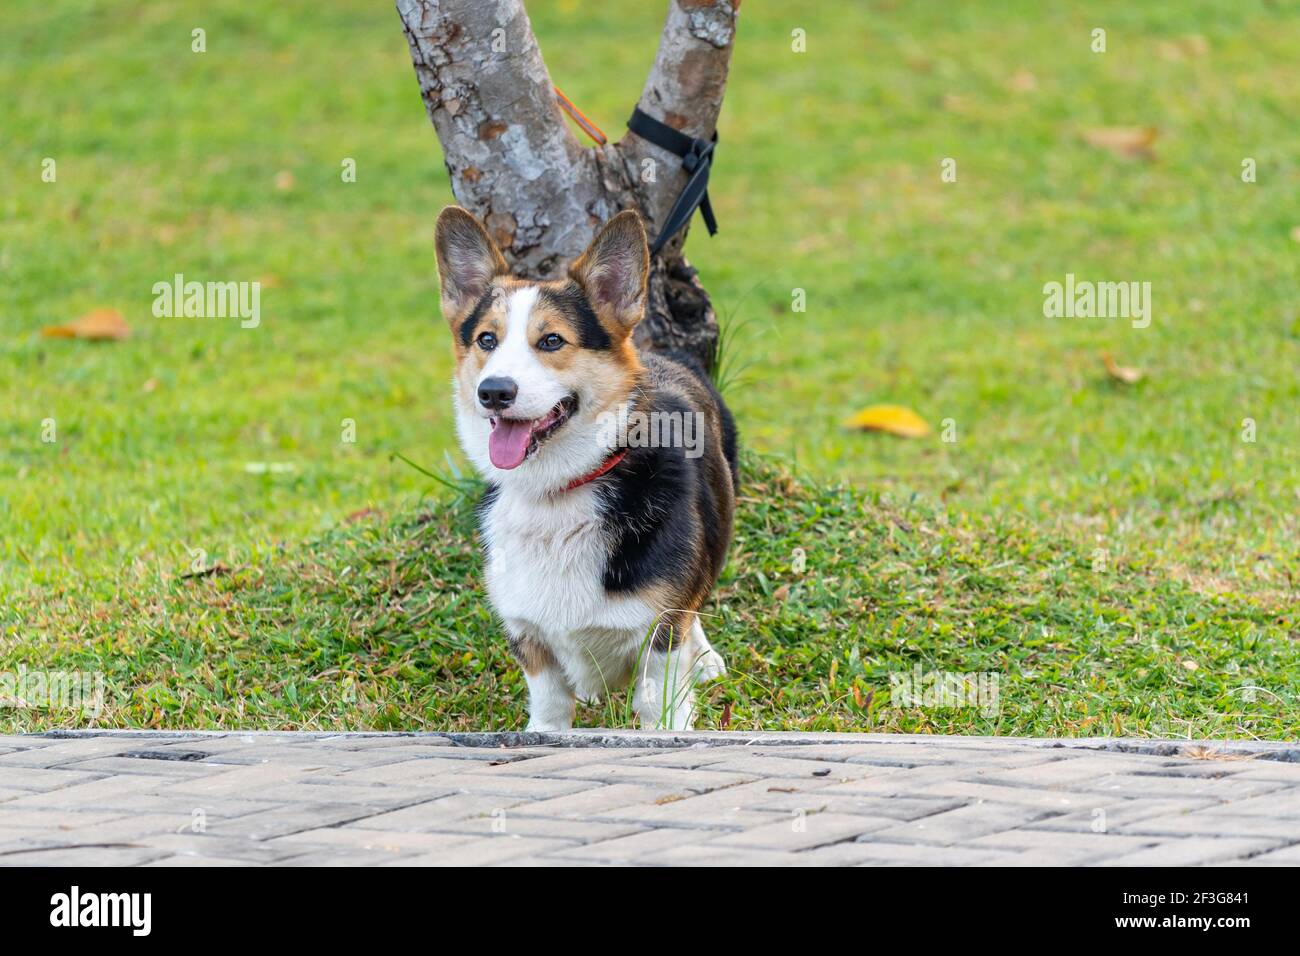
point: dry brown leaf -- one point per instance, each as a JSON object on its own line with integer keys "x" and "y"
{"x": 1184, "y": 48}
{"x": 1205, "y": 753}
{"x": 894, "y": 419}
{"x": 953, "y": 103}
{"x": 1128, "y": 142}
{"x": 1023, "y": 81}
{"x": 1120, "y": 373}
{"x": 284, "y": 180}
{"x": 781, "y": 593}
{"x": 97, "y": 324}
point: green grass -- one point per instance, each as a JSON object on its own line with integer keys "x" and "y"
{"x": 382, "y": 624}
{"x": 919, "y": 292}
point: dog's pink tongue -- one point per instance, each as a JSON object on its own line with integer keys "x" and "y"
{"x": 508, "y": 443}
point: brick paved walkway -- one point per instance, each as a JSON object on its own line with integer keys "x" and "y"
{"x": 168, "y": 799}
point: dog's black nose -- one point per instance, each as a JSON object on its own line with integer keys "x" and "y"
{"x": 497, "y": 393}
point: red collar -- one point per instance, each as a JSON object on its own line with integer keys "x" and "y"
{"x": 599, "y": 470}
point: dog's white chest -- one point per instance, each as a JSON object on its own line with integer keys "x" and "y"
{"x": 545, "y": 570}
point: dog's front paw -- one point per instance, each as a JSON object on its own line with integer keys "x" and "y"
{"x": 709, "y": 667}
{"x": 541, "y": 727}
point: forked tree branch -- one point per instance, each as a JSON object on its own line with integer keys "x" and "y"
{"x": 514, "y": 163}
{"x": 511, "y": 157}
{"x": 684, "y": 90}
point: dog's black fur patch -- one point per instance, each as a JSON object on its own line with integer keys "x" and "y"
{"x": 670, "y": 515}
{"x": 571, "y": 300}
{"x": 475, "y": 316}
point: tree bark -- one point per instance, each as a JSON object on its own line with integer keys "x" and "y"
{"x": 515, "y": 164}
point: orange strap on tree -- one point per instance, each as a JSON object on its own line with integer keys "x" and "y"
{"x": 575, "y": 114}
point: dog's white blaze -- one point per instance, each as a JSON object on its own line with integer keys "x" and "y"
{"x": 516, "y": 350}
{"x": 515, "y": 358}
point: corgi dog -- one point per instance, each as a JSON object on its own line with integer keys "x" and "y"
{"x": 602, "y": 541}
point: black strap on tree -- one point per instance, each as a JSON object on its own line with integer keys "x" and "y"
{"x": 697, "y": 158}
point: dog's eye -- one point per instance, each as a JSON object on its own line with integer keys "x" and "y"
{"x": 550, "y": 343}
{"x": 487, "y": 341}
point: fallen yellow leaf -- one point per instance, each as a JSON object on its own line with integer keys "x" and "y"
{"x": 894, "y": 419}
{"x": 97, "y": 324}
{"x": 1120, "y": 373}
{"x": 1128, "y": 142}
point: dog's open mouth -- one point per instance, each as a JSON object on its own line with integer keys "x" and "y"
{"x": 514, "y": 439}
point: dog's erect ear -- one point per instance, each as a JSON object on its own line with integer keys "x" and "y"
{"x": 614, "y": 269}
{"x": 468, "y": 260}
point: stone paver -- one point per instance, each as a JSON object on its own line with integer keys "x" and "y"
{"x": 623, "y": 797}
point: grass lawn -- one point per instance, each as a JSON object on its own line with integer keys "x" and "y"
{"x": 1117, "y": 555}
{"x": 381, "y": 624}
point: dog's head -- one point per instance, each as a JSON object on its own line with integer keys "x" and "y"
{"x": 539, "y": 363}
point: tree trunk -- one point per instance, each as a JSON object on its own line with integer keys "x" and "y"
{"x": 515, "y": 164}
